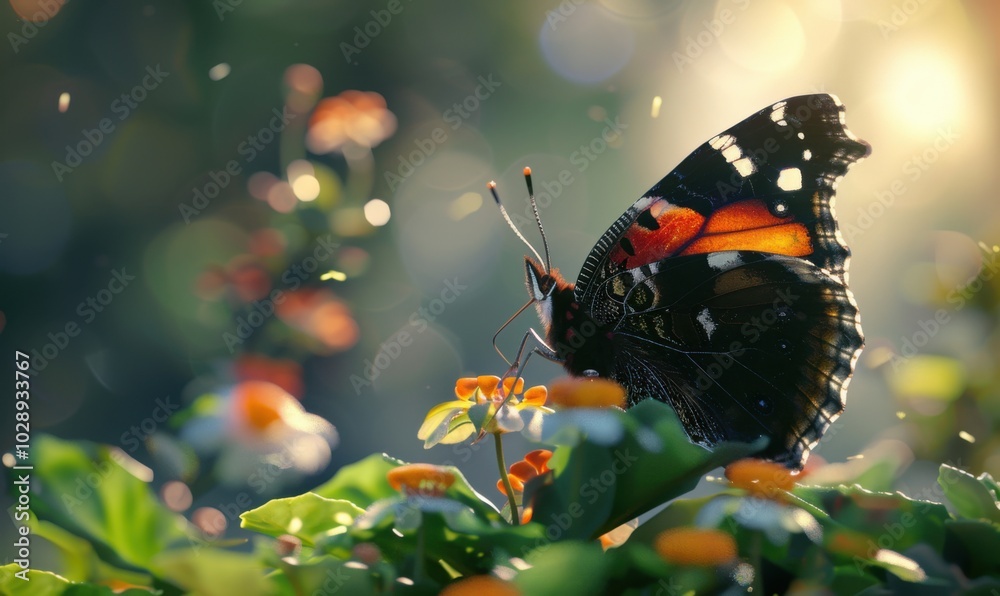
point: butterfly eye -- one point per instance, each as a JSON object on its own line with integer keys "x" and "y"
{"x": 590, "y": 373}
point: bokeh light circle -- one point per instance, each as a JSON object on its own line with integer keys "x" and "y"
{"x": 587, "y": 45}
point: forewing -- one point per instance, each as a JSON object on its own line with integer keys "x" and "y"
{"x": 766, "y": 185}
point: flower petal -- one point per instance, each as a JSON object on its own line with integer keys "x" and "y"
{"x": 509, "y": 382}
{"x": 539, "y": 459}
{"x": 696, "y": 546}
{"x": 466, "y": 387}
{"x": 587, "y": 393}
{"x": 488, "y": 383}
{"x": 439, "y": 416}
{"x": 536, "y": 396}
{"x": 422, "y": 478}
{"x": 508, "y": 420}
{"x": 522, "y": 470}
{"x": 461, "y": 428}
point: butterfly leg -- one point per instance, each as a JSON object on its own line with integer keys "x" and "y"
{"x": 517, "y": 367}
{"x": 543, "y": 350}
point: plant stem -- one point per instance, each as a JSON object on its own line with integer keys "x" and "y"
{"x": 756, "y": 547}
{"x": 418, "y": 572}
{"x": 514, "y": 517}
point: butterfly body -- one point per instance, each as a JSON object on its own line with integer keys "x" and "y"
{"x": 723, "y": 289}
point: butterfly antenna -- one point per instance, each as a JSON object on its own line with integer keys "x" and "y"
{"x": 496, "y": 197}
{"x": 538, "y": 219}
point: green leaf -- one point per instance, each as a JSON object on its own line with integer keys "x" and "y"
{"x": 565, "y": 568}
{"x": 84, "y": 490}
{"x": 889, "y": 520}
{"x": 971, "y": 497}
{"x": 652, "y": 463}
{"x": 973, "y": 545}
{"x": 990, "y": 483}
{"x": 215, "y": 572}
{"x": 307, "y": 517}
{"x": 851, "y": 579}
{"x": 45, "y": 583}
{"x": 479, "y": 414}
{"x": 680, "y": 512}
{"x": 361, "y": 483}
{"x": 901, "y": 566}
{"x": 326, "y": 575}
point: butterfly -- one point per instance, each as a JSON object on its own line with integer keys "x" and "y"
{"x": 722, "y": 290}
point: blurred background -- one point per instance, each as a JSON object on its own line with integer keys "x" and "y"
{"x": 220, "y": 215}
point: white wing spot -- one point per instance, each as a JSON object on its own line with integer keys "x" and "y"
{"x": 732, "y": 153}
{"x": 723, "y": 261}
{"x": 780, "y": 207}
{"x": 720, "y": 141}
{"x": 706, "y": 322}
{"x": 778, "y": 113}
{"x": 801, "y": 135}
{"x": 807, "y": 155}
{"x": 790, "y": 179}
{"x": 744, "y": 166}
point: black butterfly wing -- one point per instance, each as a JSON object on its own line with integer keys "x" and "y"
{"x": 741, "y": 344}
{"x": 784, "y": 161}
{"x": 688, "y": 273}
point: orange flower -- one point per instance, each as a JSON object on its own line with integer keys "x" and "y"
{"x": 286, "y": 374}
{"x": 354, "y": 117}
{"x": 421, "y": 479}
{"x": 581, "y": 392}
{"x": 696, "y": 546}
{"x": 619, "y": 535}
{"x": 449, "y": 422}
{"x": 260, "y": 404}
{"x": 320, "y": 314}
{"x": 761, "y": 478}
{"x": 534, "y": 464}
{"x": 480, "y": 585}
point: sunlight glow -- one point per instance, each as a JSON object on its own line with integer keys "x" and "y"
{"x": 219, "y": 71}
{"x": 465, "y": 205}
{"x": 377, "y": 212}
{"x": 334, "y": 275}
{"x": 925, "y": 89}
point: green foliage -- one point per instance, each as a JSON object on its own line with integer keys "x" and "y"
{"x": 358, "y": 535}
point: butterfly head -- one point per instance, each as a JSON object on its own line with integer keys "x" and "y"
{"x": 542, "y": 281}
{"x": 541, "y": 285}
